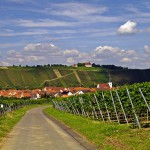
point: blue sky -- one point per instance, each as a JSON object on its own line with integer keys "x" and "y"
{"x": 60, "y": 31}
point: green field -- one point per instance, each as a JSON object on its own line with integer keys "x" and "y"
{"x": 36, "y": 77}
{"x": 105, "y": 135}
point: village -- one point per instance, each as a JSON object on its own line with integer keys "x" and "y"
{"x": 53, "y": 91}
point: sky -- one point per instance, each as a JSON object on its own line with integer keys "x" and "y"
{"x": 38, "y": 32}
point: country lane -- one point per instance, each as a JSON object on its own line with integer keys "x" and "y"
{"x": 36, "y": 132}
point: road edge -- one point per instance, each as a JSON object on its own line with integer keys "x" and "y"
{"x": 72, "y": 133}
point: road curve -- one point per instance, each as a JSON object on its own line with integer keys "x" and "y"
{"x": 36, "y": 132}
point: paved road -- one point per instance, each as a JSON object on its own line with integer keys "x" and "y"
{"x": 36, "y": 132}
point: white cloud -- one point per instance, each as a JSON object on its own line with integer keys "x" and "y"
{"x": 139, "y": 13}
{"x": 43, "y": 23}
{"x": 26, "y": 33}
{"x": 147, "y": 30}
{"x": 71, "y": 53}
{"x": 10, "y": 45}
{"x": 35, "y": 58}
{"x": 17, "y": 1}
{"x": 17, "y": 60}
{"x": 42, "y": 49}
{"x": 146, "y": 48}
{"x": 117, "y": 56}
{"x": 82, "y": 12}
{"x": 75, "y": 56}
{"x": 21, "y": 1}
{"x": 126, "y": 59}
{"x": 36, "y": 53}
{"x": 101, "y": 49}
{"x": 107, "y": 51}
{"x": 71, "y": 60}
{"x": 4, "y": 63}
{"x": 44, "y": 53}
{"x": 75, "y": 9}
{"x": 128, "y": 28}
{"x": 12, "y": 54}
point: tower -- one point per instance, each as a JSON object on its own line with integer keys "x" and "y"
{"x": 109, "y": 82}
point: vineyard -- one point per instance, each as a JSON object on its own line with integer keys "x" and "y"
{"x": 10, "y": 105}
{"x": 37, "y": 77}
{"x": 127, "y": 104}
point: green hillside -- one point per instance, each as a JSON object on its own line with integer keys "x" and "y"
{"x": 35, "y": 77}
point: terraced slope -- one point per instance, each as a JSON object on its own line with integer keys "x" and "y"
{"x": 24, "y": 77}
{"x": 37, "y": 77}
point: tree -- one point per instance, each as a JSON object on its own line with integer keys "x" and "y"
{"x": 81, "y": 65}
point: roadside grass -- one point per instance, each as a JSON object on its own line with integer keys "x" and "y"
{"x": 105, "y": 135}
{"x": 9, "y": 120}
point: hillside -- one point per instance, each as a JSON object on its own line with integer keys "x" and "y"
{"x": 35, "y": 77}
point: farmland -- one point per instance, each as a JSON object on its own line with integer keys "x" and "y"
{"x": 105, "y": 135}
{"x": 127, "y": 105}
{"x": 109, "y": 119}
{"x": 34, "y": 77}
{"x": 84, "y": 115}
{"x": 9, "y": 105}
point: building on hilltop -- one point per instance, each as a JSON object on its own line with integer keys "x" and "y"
{"x": 85, "y": 64}
{"x": 74, "y": 65}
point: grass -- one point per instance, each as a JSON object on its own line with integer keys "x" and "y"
{"x": 9, "y": 120}
{"x": 105, "y": 135}
{"x": 89, "y": 69}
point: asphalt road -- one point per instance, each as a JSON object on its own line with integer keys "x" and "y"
{"x": 36, "y": 132}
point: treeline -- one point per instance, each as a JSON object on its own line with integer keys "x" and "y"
{"x": 40, "y": 66}
{"x": 78, "y": 64}
{"x": 108, "y": 66}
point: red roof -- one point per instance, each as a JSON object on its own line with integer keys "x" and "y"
{"x": 103, "y": 86}
{"x": 87, "y": 63}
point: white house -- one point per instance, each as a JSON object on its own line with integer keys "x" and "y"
{"x": 87, "y": 64}
{"x": 70, "y": 94}
{"x": 104, "y": 86}
{"x": 79, "y": 92}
